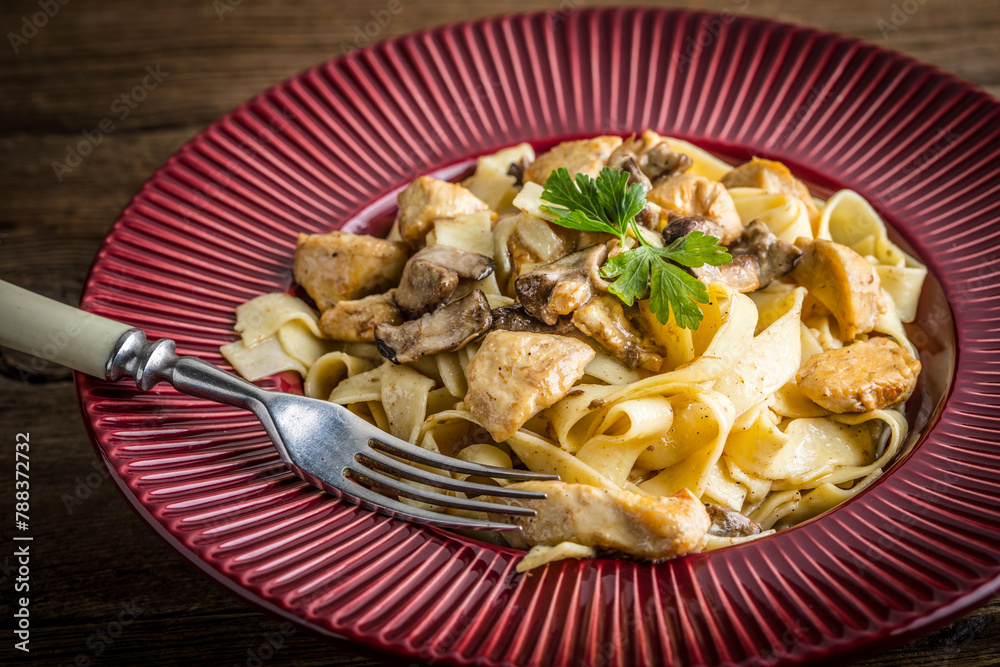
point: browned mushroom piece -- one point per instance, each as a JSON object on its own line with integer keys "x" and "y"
{"x": 447, "y": 328}
{"x": 432, "y": 274}
{"x": 603, "y": 319}
{"x": 775, "y": 258}
{"x": 355, "y": 321}
{"x": 727, "y": 522}
{"x": 339, "y": 265}
{"x": 515, "y": 318}
{"x": 630, "y": 166}
{"x": 758, "y": 255}
{"x": 562, "y": 286}
{"x": 679, "y": 226}
{"x": 653, "y": 157}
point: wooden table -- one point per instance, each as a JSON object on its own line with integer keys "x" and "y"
{"x": 95, "y": 561}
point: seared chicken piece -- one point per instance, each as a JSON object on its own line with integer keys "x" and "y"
{"x": 431, "y": 276}
{"x": 692, "y": 195}
{"x": 727, "y": 522}
{"x": 646, "y": 527}
{"x": 603, "y": 319}
{"x": 843, "y": 281}
{"x": 336, "y": 266}
{"x": 514, "y": 375}
{"x": 770, "y": 176}
{"x": 861, "y": 377}
{"x": 427, "y": 199}
{"x": 447, "y": 328}
{"x": 562, "y": 286}
{"x": 355, "y": 321}
{"x": 586, "y": 156}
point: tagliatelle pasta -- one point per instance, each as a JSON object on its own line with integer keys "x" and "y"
{"x": 728, "y": 412}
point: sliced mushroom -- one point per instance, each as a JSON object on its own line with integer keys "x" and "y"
{"x": 432, "y": 274}
{"x": 679, "y": 226}
{"x": 653, "y": 157}
{"x": 603, "y": 319}
{"x": 515, "y": 318}
{"x": 630, "y": 166}
{"x": 339, "y": 265}
{"x": 447, "y": 328}
{"x": 517, "y": 169}
{"x": 562, "y": 286}
{"x": 758, "y": 255}
{"x": 727, "y": 522}
{"x": 428, "y": 199}
{"x": 775, "y": 258}
{"x": 355, "y": 321}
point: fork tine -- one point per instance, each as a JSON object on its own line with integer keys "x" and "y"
{"x": 405, "y": 450}
{"x": 369, "y": 499}
{"x": 433, "y": 497}
{"x": 384, "y": 463}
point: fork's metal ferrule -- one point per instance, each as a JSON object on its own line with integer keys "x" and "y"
{"x": 151, "y": 363}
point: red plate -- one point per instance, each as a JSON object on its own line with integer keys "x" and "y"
{"x": 217, "y": 225}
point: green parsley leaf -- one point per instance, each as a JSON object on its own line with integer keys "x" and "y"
{"x": 672, "y": 289}
{"x": 631, "y": 269}
{"x": 577, "y": 203}
{"x": 696, "y": 249}
{"x": 609, "y": 204}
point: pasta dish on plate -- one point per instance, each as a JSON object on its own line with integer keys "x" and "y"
{"x": 704, "y": 354}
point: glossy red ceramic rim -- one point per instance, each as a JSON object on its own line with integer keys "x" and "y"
{"x": 216, "y": 226}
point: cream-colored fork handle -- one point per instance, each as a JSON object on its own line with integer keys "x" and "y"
{"x": 65, "y": 335}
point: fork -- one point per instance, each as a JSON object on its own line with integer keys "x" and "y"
{"x": 322, "y": 442}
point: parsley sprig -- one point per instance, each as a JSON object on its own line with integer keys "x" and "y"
{"x": 609, "y": 204}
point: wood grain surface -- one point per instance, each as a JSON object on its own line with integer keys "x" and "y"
{"x": 93, "y": 561}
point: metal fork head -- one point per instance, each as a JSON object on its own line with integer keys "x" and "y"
{"x": 335, "y": 449}
{"x": 332, "y": 448}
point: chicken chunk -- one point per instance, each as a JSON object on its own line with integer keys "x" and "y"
{"x": 337, "y": 266}
{"x": 773, "y": 177}
{"x": 647, "y": 527}
{"x": 355, "y": 321}
{"x": 693, "y": 195}
{"x": 603, "y": 319}
{"x": 586, "y": 156}
{"x": 843, "y": 281}
{"x": 427, "y": 199}
{"x": 514, "y": 375}
{"x": 861, "y": 377}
